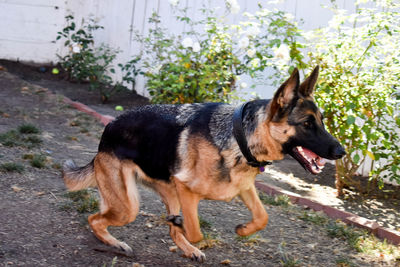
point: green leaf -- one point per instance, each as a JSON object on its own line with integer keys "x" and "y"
{"x": 356, "y": 158}
{"x": 350, "y": 120}
{"x": 370, "y": 154}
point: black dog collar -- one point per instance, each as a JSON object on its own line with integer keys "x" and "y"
{"x": 240, "y": 137}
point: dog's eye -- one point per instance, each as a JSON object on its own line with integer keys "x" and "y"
{"x": 307, "y": 124}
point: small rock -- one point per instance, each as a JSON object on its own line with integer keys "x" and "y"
{"x": 312, "y": 246}
{"x": 173, "y": 248}
{"x": 149, "y": 225}
{"x": 41, "y": 193}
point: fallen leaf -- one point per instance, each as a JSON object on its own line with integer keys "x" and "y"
{"x": 16, "y": 188}
{"x": 226, "y": 262}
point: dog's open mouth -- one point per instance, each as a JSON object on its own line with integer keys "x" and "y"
{"x": 308, "y": 159}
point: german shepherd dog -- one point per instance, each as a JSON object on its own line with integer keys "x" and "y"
{"x": 191, "y": 152}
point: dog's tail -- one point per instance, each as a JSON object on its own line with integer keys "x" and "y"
{"x": 77, "y": 178}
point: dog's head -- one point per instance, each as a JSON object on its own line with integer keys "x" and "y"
{"x": 297, "y": 124}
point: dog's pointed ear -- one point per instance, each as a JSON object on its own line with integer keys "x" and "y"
{"x": 285, "y": 93}
{"x": 307, "y": 87}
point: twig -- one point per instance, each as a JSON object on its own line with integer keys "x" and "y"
{"x": 53, "y": 195}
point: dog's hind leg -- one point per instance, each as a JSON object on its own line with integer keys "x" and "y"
{"x": 260, "y": 216}
{"x": 170, "y": 198}
{"x": 119, "y": 198}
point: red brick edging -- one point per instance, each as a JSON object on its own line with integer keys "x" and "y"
{"x": 347, "y": 217}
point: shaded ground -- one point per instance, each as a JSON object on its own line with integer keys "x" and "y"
{"x": 39, "y": 227}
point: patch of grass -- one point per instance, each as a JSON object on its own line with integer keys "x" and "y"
{"x": 12, "y": 167}
{"x": 10, "y": 138}
{"x": 24, "y": 136}
{"x": 83, "y": 201}
{"x": 38, "y": 161}
{"x": 280, "y": 200}
{"x": 28, "y": 129}
{"x": 287, "y": 260}
{"x": 340, "y": 230}
{"x": 313, "y": 218}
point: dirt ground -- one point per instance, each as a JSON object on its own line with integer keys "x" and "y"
{"x": 38, "y": 227}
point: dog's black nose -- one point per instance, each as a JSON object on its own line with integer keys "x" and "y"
{"x": 338, "y": 152}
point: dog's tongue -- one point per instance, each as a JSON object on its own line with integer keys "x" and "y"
{"x": 312, "y": 156}
{"x": 315, "y": 162}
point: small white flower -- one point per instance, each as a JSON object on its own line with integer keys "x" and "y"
{"x": 76, "y": 48}
{"x": 244, "y": 42}
{"x": 156, "y": 69}
{"x": 282, "y": 52}
{"x": 174, "y": 2}
{"x": 243, "y": 85}
{"x": 251, "y": 52}
{"x": 196, "y": 47}
{"x": 187, "y": 42}
{"x": 255, "y": 62}
{"x": 253, "y": 31}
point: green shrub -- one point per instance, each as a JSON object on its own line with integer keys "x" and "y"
{"x": 205, "y": 66}
{"x": 358, "y": 88}
{"x": 90, "y": 63}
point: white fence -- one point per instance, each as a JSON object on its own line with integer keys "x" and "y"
{"x": 28, "y": 29}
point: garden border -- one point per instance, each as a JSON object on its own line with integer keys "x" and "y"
{"x": 347, "y": 217}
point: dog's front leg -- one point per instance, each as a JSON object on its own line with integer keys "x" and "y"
{"x": 189, "y": 204}
{"x": 260, "y": 216}
{"x": 191, "y": 227}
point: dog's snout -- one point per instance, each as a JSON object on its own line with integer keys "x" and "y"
{"x": 338, "y": 152}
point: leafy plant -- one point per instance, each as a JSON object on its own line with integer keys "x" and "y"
{"x": 130, "y": 72}
{"x": 204, "y": 66}
{"x": 358, "y": 88}
{"x": 86, "y": 62}
{"x": 80, "y": 42}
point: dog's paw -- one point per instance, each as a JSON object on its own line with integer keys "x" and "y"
{"x": 124, "y": 248}
{"x": 241, "y": 230}
{"x": 198, "y": 256}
